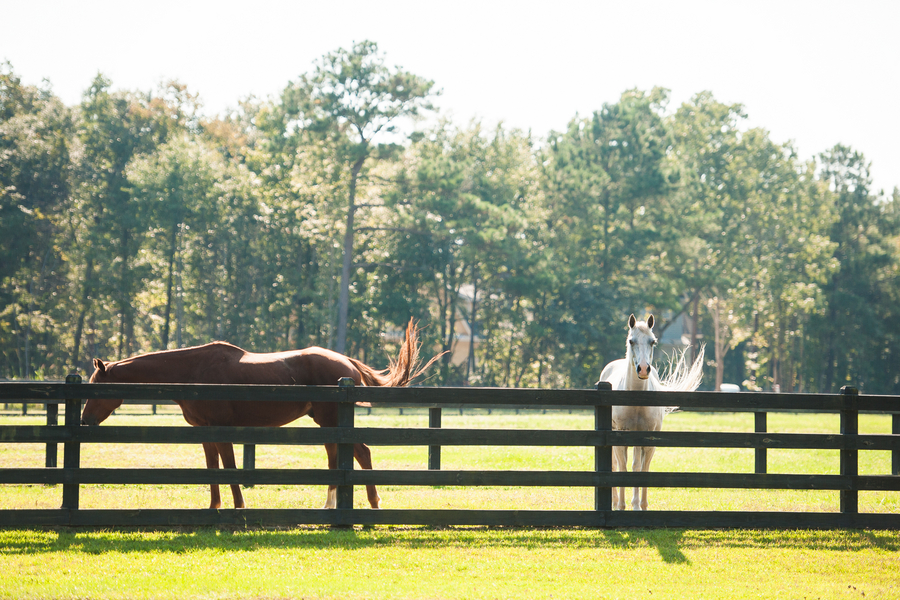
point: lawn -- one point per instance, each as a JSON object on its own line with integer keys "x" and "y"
{"x": 457, "y": 562}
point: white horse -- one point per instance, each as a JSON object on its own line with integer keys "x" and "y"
{"x": 635, "y": 372}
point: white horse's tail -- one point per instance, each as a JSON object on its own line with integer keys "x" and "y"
{"x": 679, "y": 377}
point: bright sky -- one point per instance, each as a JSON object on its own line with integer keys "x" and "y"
{"x": 815, "y": 72}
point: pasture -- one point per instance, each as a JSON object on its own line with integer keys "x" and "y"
{"x": 456, "y": 562}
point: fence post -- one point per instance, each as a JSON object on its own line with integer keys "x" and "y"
{"x": 434, "y": 452}
{"x": 249, "y": 462}
{"x": 346, "y": 413}
{"x": 603, "y": 454}
{"x": 850, "y": 456}
{"x": 72, "y": 450}
{"x": 52, "y": 421}
{"x": 759, "y": 426}
{"x": 895, "y": 454}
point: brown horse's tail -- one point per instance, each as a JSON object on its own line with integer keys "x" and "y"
{"x": 403, "y": 370}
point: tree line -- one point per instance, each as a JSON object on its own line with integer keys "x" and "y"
{"x": 334, "y": 212}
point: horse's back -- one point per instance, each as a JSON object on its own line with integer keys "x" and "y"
{"x": 197, "y": 364}
{"x": 614, "y": 373}
{"x": 309, "y": 366}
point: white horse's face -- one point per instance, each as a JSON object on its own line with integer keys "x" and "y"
{"x": 641, "y": 342}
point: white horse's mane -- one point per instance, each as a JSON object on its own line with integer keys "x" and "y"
{"x": 679, "y": 375}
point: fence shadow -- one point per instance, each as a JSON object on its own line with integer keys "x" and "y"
{"x": 673, "y": 545}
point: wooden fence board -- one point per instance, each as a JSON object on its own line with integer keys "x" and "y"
{"x": 442, "y": 437}
{"x": 429, "y": 397}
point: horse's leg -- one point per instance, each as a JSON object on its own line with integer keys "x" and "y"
{"x": 364, "y": 458}
{"x": 620, "y": 460}
{"x": 649, "y": 451}
{"x": 325, "y": 415}
{"x": 636, "y": 468}
{"x": 331, "y": 499}
{"x": 615, "y": 468}
{"x": 212, "y": 462}
{"x": 226, "y": 451}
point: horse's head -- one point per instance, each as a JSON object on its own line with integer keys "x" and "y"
{"x": 639, "y": 345}
{"x": 96, "y": 411}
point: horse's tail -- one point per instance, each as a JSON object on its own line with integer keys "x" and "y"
{"x": 681, "y": 378}
{"x": 401, "y": 371}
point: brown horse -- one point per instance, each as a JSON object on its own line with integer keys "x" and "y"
{"x": 220, "y": 362}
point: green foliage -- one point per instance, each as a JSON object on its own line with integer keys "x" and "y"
{"x": 330, "y": 215}
{"x": 35, "y": 139}
{"x": 610, "y": 227}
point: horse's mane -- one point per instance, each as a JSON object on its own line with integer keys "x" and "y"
{"x": 679, "y": 377}
{"x": 401, "y": 371}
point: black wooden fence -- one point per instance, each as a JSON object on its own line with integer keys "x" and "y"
{"x": 71, "y": 476}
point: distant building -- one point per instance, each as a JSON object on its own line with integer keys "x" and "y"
{"x": 462, "y": 332}
{"x": 675, "y": 337}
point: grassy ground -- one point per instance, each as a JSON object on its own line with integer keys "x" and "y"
{"x": 451, "y": 563}
{"x": 395, "y": 562}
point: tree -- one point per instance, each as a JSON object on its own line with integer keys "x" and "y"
{"x": 352, "y": 99}
{"x": 174, "y": 186}
{"x": 111, "y": 129}
{"x": 458, "y": 244}
{"x": 34, "y": 194}
{"x": 857, "y": 335}
{"x": 610, "y": 225}
{"x": 755, "y": 249}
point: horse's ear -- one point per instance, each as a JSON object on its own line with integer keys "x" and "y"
{"x": 631, "y": 321}
{"x": 650, "y": 321}
{"x": 99, "y": 365}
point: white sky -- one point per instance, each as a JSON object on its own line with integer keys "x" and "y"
{"x": 815, "y": 72}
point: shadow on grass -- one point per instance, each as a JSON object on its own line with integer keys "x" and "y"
{"x": 667, "y": 542}
{"x": 671, "y": 544}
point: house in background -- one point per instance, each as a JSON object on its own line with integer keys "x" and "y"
{"x": 462, "y": 339}
{"x": 674, "y": 335}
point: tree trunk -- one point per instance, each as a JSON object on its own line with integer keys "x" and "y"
{"x": 179, "y": 305}
{"x": 124, "y": 293}
{"x": 470, "y": 362}
{"x": 720, "y": 346}
{"x": 694, "y": 323}
{"x": 340, "y": 344}
{"x": 82, "y": 313}
{"x": 173, "y": 240}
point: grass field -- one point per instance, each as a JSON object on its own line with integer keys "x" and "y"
{"x": 411, "y": 562}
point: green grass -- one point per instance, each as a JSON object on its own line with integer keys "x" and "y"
{"x": 449, "y": 563}
{"x": 458, "y": 562}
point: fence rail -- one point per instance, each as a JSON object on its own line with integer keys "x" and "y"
{"x": 71, "y": 476}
